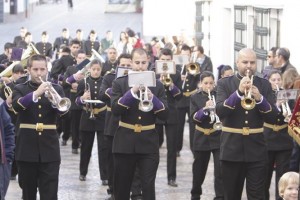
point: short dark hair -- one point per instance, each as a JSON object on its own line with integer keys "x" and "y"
{"x": 8, "y": 45}
{"x": 222, "y": 69}
{"x": 139, "y": 51}
{"x": 273, "y": 71}
{"x": 185, "y": 47}
{"x": 18, "y": 68}
{"x": 124, "y": 55}
{"x": 200, "y": 48}
{"x": 206, "y": 74}
{"x": 166, "y": 52}
{"x": 44, "y": 33}
{"x": 285, "y": 53}
{"x": 36, "y": 57}
{"x": 75, "y": 41}
{"x": 96, "y": 61}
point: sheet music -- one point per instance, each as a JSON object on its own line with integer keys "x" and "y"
{"x": 290, "y": 94}
{"x": 181, "y": 59}
{"x": 144, "y": 78}
{"x": 165, "y": 67}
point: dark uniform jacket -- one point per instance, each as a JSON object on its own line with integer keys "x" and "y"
{"x": 190, "y": 87}
{"x": 99, "y": 110}
{"x": 44, "y": 49}
{"x": 108, "y": 67}
{"x": 59, "y": 41}
{"x": 206, "y": 65}
{"x": 211, "y": 139}
{"x": 36, "y": 145}
{"x": 89, "y": 45}
{"x": 277, "y": 138}
{"x": 69, "y": 92}
{"x": 126, "y": 106}
{"x": 60, "y": 67}
{"x": 111, "y": 121}
{"x": 236, "y": 146}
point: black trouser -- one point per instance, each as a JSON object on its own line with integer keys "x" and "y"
{"x": 295, "y": 158}
{"x": 75, "y": 122}
{"x": 200, "y": 164}
{"x": 181, "y": 121}
{"x": 87, "y": 141}
{"x": 14, "y": 167}
{"x": 125, "y": 165}
{"x": 35, "y": 175}
{"x": 66, "y": 126}
{"x": 170, "y": 130}
{"x": 234, "y": 175}
{"x": 281, "y": 159}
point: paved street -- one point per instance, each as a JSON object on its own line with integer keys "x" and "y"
{"x": 87, "y": 15}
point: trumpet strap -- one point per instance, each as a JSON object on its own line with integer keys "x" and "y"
{"x": 275, "y": 127}
{"x": 137, "y": 127}
{"x": 243, "y": 131}
{"x": 205, "y": 131}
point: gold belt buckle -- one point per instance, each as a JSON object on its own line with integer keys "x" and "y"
{"x": 206, "y": 131}
{"x": 137, "y": 128}
{"x": 275, "y": 128}
{"x": 39, "y": 127}
{"x": 246, "y": 130}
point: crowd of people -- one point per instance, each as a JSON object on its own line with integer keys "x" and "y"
{"x": 74, "y": 88}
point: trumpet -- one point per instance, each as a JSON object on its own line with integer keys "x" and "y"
{"x": 62, "y": 104}
{"x": 7, "y": 90}
{"x": 166, "y": 79}
{"x": 248, "y": 103}
{"x": 89, "y": 106}
{"x": 145, "y": 104}
{"x": 213, "y": 115}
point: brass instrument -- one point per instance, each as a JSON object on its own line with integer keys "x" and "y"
{"x": 7, "y": 90}
{"x": 288, "y": 115}
{"x": 89, "y": 106}
{"x": 248, "y": 103}
{"x": 166, "y": 79}
{"x": 95, "y": 55}
{"x": 213, "y": 115}
{"x": 193, "y": 68}
{"x": 145, "y": 104}
{"x": 62, "y": 104}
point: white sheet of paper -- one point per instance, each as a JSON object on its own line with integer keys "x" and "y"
{"x": 165, "y": 67}
{"x": 142, "y": 78}
{"x": 287, "y": 94}
{"x": 181, "y": 59}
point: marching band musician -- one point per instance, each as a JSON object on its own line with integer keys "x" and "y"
{"x": 91, "y": 43}
{"x": 206, "y": 138}
{"x": 44, "y": 46}
{"x": 112, "y": 62}
{"x": 70, "y": 88}
{"x": 17, "y": 72}
{"x": 243, "y": 151}
{"x": 37, "y": 149}
{"x": 111, "y": 125}
{"x": 279, "y": 143}
{"x": 189, "y": 87}
{"x": 92, "y": 120}
{"x": 136, "y": 141}
{"x": 173, "y": 94}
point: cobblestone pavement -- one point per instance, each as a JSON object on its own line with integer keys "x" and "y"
{"x": 87, "y": 15}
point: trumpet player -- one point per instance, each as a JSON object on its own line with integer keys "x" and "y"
{"x": 206, "y": 138}
{"x": 243, "y": 150}
{"x": 136, "y": 141}
{"x": 92, "y": 121}
{"x": 189, "y": 87}
{"x": 37, "y": 149}
{"x": 279, "y": 143}
{"x": 6, "y": 95}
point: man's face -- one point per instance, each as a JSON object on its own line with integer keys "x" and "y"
{"x": 165, "y": 57}
{"x": 28, "y": 39}
{"x": 185, "y": 52}
{"x": 93, "y": 37}
{"x": 79, "y": 35}
{"x": 125, "y": 62}
{"x": 80, "y": 57}
{"x": 65, "y": 34}
{"x": 45, "y": 38}
{"x": 74, "y": 48}
{"x": 17, "y": 75}
{"x": 246, "y": 61}
{"x": 95, "y": 70}
{"x": 38, "y": 69}
{"x": 139, "y": 62}
{"x": 23, "y": 31}
{"x": 112, "y": 55}
{"x": 271, "y": 58}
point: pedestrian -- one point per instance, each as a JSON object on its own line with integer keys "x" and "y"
{"x": 288, "y": 186}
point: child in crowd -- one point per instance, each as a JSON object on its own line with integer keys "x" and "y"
{"x": 288, "y": 186}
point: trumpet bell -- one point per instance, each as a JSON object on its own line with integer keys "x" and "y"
{"x": 217, "y": 126}
{"x": 248, "y": 103}
{"x": 167, "y": 80}
{"x": 193, "y": 68}
{"x": 64, "y": 104}
{"x": 145, "y": 105}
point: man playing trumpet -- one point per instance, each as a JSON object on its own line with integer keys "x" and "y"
{"x": 136, "y": 141}
{"x": 37, "y": 149}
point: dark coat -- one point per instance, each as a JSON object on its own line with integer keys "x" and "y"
{"x": 235, "y": 146}
{"x": 33, "y": 145}
{"x": 126, "y": 140}
{"x": 45, "y": 49}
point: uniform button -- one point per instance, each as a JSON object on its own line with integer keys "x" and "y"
{"x": 95, "y": 97}
{"x": 39, "y": 97}
{"x": 246, "y": 122}
{"x": 278, "y": 120}
{"x": 187, "y": 85}
{"x": 95, "y": 82}
{"x": 95, "y": 92}
{"x": 40, "y": 133}
{"x": 246, "y": 112}
{"x": 40, "y": 115}
{"x": 40, "y": 106}
{"x": 139, "y": 117}
{"x": 187, "y": 90}
{"x": 96, "y": 86}
{"x": 186, "y": 80}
